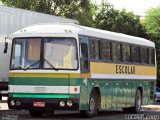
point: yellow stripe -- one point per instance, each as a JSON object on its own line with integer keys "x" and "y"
{"x": 86, "y": 75}
{"x": 95, "y": 68}
{"x": 45, "y": 75}
{"x": 110, "y": 68}
{"x": 50, "y": 75}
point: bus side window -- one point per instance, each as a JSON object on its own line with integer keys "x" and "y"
{"x": 116, "y": 52}
{"x": 84, "y": 50}
{"x": 151, "y": 56}
{"x": 84, "y": 57}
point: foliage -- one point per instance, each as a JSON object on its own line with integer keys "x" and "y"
{"x": 111, "y": 19}
{"x": 152, "y": 24}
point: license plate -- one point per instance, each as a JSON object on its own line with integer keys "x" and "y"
{"x": 38, "y": 104}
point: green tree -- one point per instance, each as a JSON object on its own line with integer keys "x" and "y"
{"x": 111, "y": 19}
{"x": 152, "y": 24}
{"x": 82, "y": 10}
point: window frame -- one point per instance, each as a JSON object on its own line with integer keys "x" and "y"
{"x": 126, "y": 46}
{"x": 118, "y": 60}
{"x": 13, "y": 51}
{"x": 95, "y": 40}
{"x": 152, "y": 56}
{"x": 133, "y": 60}
{"x": 84, "y": 40}
{"x": 42, "y": 53}
{"x": 101, "y": 52}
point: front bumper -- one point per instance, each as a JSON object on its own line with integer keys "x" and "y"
{"x": 53, "y": 104}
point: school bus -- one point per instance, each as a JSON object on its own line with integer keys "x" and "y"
{"x": 66, "y": 66}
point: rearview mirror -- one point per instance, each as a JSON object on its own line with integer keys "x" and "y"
{"x": 5, "y": 47}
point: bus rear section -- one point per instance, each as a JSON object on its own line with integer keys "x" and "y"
{"x": 44, "y": 75}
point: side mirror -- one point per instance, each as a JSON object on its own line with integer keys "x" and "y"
{"x": 5, "y": 47}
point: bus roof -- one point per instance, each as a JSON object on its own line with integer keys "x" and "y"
{"x": 40, "y": 30}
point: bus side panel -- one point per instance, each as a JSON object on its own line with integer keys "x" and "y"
{"x": 117, "y": 93}
{"x": 74, "y": 81}
{"x": 121, "y": 99}
{"x": 85, "y": 90}
{"x": 130, "y": 92}
{"x": 148, "y": 92}
{"x": 106, "y": 94}
{"x": 114, "y": 93}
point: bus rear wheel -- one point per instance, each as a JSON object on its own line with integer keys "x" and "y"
{"x": 137, "y": 105}
{"x": 92, "y": 107}
{"x": 36, "y": 113}
{"x": 138, "y": 102}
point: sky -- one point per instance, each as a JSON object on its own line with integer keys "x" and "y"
{"x": 138, "y": 7}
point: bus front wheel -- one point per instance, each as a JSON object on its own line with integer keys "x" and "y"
{"x": 36, "y": 113}
{"x": 92, "y": 106}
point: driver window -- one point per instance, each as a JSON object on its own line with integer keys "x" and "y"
{"x": 84, "y": 57}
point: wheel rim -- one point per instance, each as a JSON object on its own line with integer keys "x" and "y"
{"x": 92, "y": 104}
{"x": 139, "y": 101}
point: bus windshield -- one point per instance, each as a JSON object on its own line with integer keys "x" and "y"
{"x": 44, "y": 53}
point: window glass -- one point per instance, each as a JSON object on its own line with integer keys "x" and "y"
{"x": 144, "y": 55}
{"x": 105, "y": 53}
{"x": 60, "y": 53}
{"x": 84, "y": 50}
{"x": 25, "y": 53}
{"x": 94, "y": 49}
{"x": 126, "y": 53}
{"x": 18, "y": 54}
{"x": 135, "y": 54}
{"x": 116, "y": 52}
{"x": 84, "y": 56}
{"x": 84, "y": 64}
{"x": 151, "y": 55}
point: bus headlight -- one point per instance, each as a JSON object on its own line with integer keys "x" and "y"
{"x": 69, "y": 103}
{"x": 18, "y": 103}
{"x": 62, "y": 103}
{"x": 12, "y": 103}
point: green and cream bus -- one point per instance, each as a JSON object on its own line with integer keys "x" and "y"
{"x": 72, "y": 67}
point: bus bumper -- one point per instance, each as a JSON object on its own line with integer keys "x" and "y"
{"x": 46, "y": 104}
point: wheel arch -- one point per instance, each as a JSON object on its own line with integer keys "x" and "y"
{"x": 141, "y": 90}
{"x": 97, "y": 92}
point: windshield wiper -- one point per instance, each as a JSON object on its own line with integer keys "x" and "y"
{"x": 54, "y": 68}
{"x": 32, "y": 65}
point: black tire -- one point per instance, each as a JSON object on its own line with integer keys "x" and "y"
{"x": 36, "y": 113}
{"x": 127, "y": 110}
{"x": 138, "y": 102}
{"x": 92, "y": 107}
{"x": 137, "y": 105}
